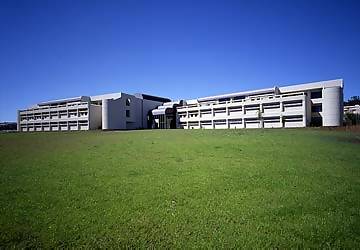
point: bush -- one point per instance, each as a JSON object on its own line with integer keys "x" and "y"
{"x": 352, "y": 119}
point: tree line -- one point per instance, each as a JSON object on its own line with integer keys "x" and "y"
{"x": 354, "y": 100}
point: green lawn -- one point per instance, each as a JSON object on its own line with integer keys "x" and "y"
{"x": 181, "y": 189}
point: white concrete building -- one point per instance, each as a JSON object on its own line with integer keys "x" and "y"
{"x": 310, "y": 104}
{"x": 354, "y": 109}
{"x": 110, "y": 111}
{"x": 316, "y": 103}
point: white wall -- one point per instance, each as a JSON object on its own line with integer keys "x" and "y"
{"x": 113, "y": 114}
{"x": 95, "y": 116}
{"x": 332, "y": 106}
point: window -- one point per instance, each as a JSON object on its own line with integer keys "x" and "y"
{"x": 316, "y": 121}
{"x": 127, "y": 113}
{"x": 128, "y": 101}
{"x": 224, "y": 100}
{"x": 316, "y": 94}
{"x": 239, "y": 97}
{"x": 316, "y": 108}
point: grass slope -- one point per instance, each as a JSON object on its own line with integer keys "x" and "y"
{"x": 176, "y": 188}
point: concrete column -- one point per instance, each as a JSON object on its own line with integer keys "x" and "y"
{"x": 89, "y": 116}
{"x": 304, "y": 112}
{"x": 261, "y": 123}
{"x": 261, "y": 119}
{"x": 332, "y": 106}
{"x": 281, "y": 112}
{"x": 18, "y": 120}
{"x": 105, "y": 114}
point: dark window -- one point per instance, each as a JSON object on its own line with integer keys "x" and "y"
{"x": 127, "y": 113}
{"x": 316, "y": 108}
{"x": 316, "y": 94}
{"x": 128, "y": 101}
{"x": 224, "y": 100}
{"x": 239, "y": 97}
{"x": 316, "y": 121}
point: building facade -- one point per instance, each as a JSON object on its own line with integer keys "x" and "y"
{"x": 310, "y": 104}
{"x": 107, "y": 112}
{"x": 354, "y": 109}
{"x": 165, "y": 116}
{"x": 301, "y": 105}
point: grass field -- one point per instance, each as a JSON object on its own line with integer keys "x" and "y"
{"x": 180, "y": 189}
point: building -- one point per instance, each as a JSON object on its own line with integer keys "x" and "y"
{"x": 301, "y": 105}
{"x": 8, "y": 126}
{"x": 107, "y": 112}
{"x": 165, "y": 116}
{"x": 310, "y": 104}
{"x": 352, "y": 114}
{"x": 354, "y": 109}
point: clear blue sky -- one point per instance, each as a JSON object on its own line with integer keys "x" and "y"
{"x": 178, "y": 49}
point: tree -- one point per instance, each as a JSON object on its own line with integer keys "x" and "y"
{"x": 352, "y": 119}
{"x": 354, "y": 100}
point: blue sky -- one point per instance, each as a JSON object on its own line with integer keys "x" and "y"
{"x": 178, "y": 49}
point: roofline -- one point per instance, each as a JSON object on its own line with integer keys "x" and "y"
{"x": 115, "y": 95}
{"x": 313, "y": 85}
{"x": 153, "y": 98}
{"x": 243, "y": 93}
{"x": 71, "y": 99}
{"x": 290, "y": 88}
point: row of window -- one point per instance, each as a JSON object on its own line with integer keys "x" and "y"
{"x": 293, "y": 118}
{"x": 314, "y": 95}
{"x": 53, "y": 116}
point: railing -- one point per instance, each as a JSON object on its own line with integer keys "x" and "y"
{"x": 47, "y": 107}
{"x": 247, "y": 99}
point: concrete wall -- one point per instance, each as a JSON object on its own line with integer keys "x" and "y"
{"x": 332, "y": 106}
{"x": 114, "y": 112}
{"x": 113, "y": 116}
{"x": 95, "y": 116}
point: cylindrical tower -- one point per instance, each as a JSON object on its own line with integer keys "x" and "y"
{"x": 332, "y": 112}
{"x": 105, "y": 114}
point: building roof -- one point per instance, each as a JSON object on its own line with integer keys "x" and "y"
{"x": 243, "y": 93}
{"x": 152, "y": 97}
{"x": 312, "y": 85}
{"x": 65, "y": 100}
{"x": 116, "y": 95}
{"x": 167, "y": 106}
{"x": 291, "y": 88}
